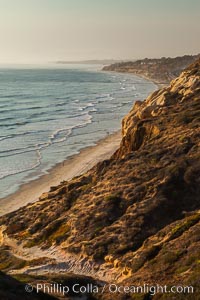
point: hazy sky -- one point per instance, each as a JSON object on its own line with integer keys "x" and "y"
{"x": 50, "y": 30}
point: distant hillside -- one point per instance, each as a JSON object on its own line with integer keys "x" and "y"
{"x": 131, "y": 219}
{"x": 161, "y": 70}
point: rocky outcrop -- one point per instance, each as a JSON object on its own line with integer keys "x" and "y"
{"x": 135, "y": 217}
{"x": 137, "y": 127}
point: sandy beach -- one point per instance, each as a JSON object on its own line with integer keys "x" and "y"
{"x": 71, "y": 167}
{"x": 66, "y": 170}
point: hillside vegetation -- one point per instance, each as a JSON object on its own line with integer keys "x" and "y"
{"x": 132, "y": 218}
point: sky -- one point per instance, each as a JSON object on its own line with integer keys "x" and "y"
{"x": 40, "y": 31}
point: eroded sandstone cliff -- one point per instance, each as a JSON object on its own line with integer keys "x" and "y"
{"x": 133, "y": 218}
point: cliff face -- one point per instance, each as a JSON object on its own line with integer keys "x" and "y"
{"x": 133, "y": 218}
{"x": 162, "y": 104}
{"x": 161, "y": 70}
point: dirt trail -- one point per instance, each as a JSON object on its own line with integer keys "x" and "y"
{"x": 62, "y": 262}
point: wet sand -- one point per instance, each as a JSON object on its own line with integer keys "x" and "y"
{"x": 71, "y": 167}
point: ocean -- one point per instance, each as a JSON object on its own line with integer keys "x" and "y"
{"x": 49, "y": 114}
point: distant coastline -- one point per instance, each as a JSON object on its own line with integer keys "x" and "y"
{"x": 91, "y": 62}
{"x": 160, "y": 70}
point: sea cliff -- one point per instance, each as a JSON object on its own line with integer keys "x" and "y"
{"x": 132, "y": 218}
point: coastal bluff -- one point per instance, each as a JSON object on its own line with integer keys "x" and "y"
{"x": 160, "y": 70}
{"x": 131, "y": 219}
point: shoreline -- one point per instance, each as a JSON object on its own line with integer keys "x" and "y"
{"x": 159, "y": 84}
{"x": 72, "y": 166}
